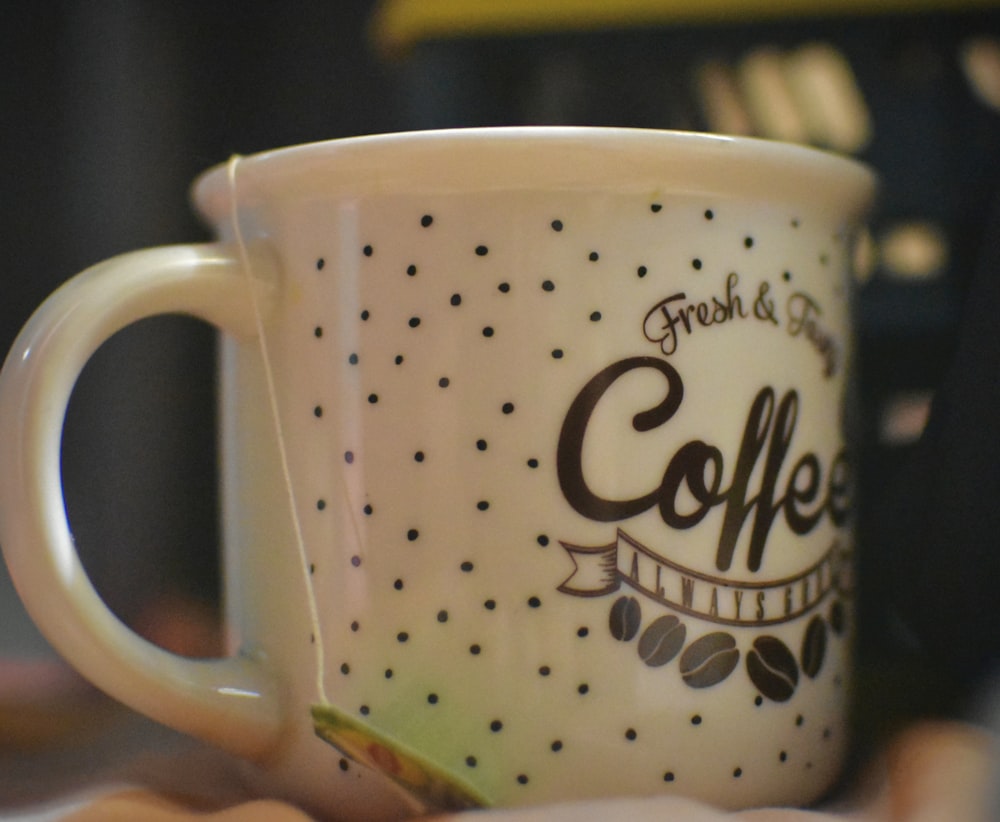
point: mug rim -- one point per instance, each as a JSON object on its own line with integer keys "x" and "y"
{"x": 513, "y": 158}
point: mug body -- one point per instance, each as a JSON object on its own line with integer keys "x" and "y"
{"x": 540, "y": 465}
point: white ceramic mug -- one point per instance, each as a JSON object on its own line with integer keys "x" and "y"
{"x": 536, "y": 475}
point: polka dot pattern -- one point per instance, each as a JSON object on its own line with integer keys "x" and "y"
{"x": 442, "y": 361}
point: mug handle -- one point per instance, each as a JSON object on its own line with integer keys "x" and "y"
{"x": 232, "y": 702}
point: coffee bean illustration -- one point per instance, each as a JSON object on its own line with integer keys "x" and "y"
{"x": 813, "y": 647}
{"x": 838, "y": 618}
{"x": 662, "y": 640}
{"x": 626, "y": 616}
{"x": 772, "y": 668}
{"x": 709, "y": 660}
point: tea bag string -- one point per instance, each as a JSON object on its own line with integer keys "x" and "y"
{"x": 272, "y": 396}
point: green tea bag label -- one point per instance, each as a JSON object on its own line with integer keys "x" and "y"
{"x": 428, "y": 782}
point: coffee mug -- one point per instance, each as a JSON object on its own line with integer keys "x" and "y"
{"x": 536, "y": 469}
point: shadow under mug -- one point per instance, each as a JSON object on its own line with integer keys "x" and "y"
{"x": 536, "y": 471}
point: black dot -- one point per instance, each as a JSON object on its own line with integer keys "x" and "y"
{"x": 668, "y": 776}
{"x": 412, "y": 534}
{"x": 795, "y": 223}
{"x": 368, "y": 510}
{"x": 318, "y": 332}
{"x": 312, "y": 568}
{"x": 556, "y": 746}
{"x": 748, "y": 242}
{"x": 507, "y": 408}
{"x": 503, "y": 288}
{"x": 467, "y": 567}
{"x": 318, "y": 412}
{"x": 368, "y": 250}
{"x": 353, "y": 359}
{"x": 595, "y": 316}
{"x": 348, "y": 455}
{"x": 522, "y": 779}
{"x": 655, "y": 207}
{"x": 532, "y": 463}
{"x": 344, "y": 765}
{"x": 557, "y": 353}
{"x": 365, "y": 710}
{"x": 783, "y": 756}
{"x": 534, "y": 602}
{"x": 482, "y": 445}
{"x": 388, "y": 673}
{"x": 398, "y": 585}
{"x": 442, "y": 616}
{"x": 402, "y": 636}
{"x": 490, "y": 604}
{"x": 456, "y": 299}
{"x": 758, "y": 700}
{"x": 483, "y": 505}
{"x": 593, "y": 256}
{"x": 320, "y": 263}
{"x": 482, "y": 251}
{"x": 545, "y": 670}
{"x": 426, "y": 220}
{"x": 414, "y": 322}
{"x": 365, "y": 314}
{"x": 419, "y": 456}
{"x": 373, "y": 398}
{"x": 411, "y": 270}
{"x": 488, "y": 331}
{"x": 787, "y": 276}
{"x": 475, "y": 650}
{"x": 543, "y": 540}
{"x": 345, "y": 669}
{"x": 709, "y": 214}
{"x": 583, "y": 688}
{"x": 631, "y": 735}
{"x": 582, "y": 632}
{"x": 557, "y": 225}
{"x": 799, "y": 720}
{"x": 642, "y": 271}
{"x": 444, "y": 382}
{"x": 470, "y": 761}
{"x": 356, "y": 561}
{"x": 738, "y": 773}
{"x": 432, "y": 699}
{"x": 355, "y": 626}
{"x": 548, "y": 285}
{"x": 696, "y": 264}
{"x": 696, "y": 719}
{"x": 496, "y": 726}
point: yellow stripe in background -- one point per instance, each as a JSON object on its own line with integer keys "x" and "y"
{"x": 398, "y": 24}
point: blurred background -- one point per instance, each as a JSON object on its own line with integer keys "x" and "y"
{"x": 110, "y": 108}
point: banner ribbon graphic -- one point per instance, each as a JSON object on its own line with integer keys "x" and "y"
{"x": 602, "y": 570}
